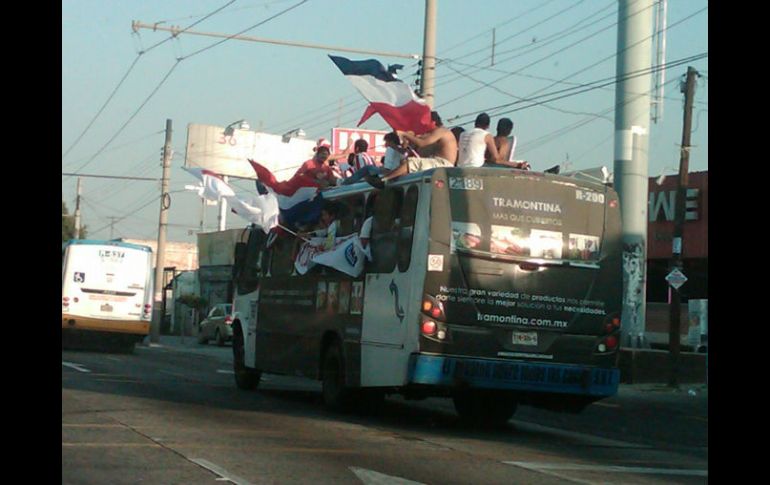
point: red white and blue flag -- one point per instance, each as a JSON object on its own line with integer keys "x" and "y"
{"x": 388, "y": 96}
{"x": 299, "y": 198}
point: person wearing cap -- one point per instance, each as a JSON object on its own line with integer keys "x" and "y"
{"x": 318, "y": 167}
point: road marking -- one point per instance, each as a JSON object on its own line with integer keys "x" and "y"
{"x": 370, "y": 477}
{"x": 583, "y": 437}
{"x": 77, "y": 367}
{"x": 606, "y": 404}
{"x": 219, "y": 471}
{"x": 225, "y": 371}
{"x": 544, "y": 466}
{"x": 111, "y": 445}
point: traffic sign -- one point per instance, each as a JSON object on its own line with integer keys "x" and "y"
{"x": 676, "y": 278}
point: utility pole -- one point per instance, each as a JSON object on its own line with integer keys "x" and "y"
{"x": 77, "y": 211}
{"x": 428, "y": 79}
{"x": 632, "y": 123}
{"x": 165, "y": 204}
{"x": 674, "y": 343}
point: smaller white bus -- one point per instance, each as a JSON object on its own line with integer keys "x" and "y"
{"x": 106, "y": 293}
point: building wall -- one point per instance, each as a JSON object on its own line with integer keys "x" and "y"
{"x": 183, "y": 256}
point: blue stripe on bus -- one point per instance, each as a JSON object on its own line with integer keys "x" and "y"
{"x": 508, "y": 375}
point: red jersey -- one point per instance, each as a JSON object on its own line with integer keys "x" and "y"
{"x": 313, "y": 169}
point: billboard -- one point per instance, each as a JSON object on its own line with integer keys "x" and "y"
{"x": 661, "y": 204}
{"x": 341, "y": 137}
{"x": 226, "y": 151}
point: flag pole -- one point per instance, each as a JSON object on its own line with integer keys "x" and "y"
{"x": 293, "y": 233}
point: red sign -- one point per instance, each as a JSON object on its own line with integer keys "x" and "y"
{"x": 660, "y": 211}
{"x": 342, "y": 137}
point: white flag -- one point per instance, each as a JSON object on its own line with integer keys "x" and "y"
{"x": 346, "y": 255}
{"x": 261, "y": 210}
{"x": 211, "y": 187}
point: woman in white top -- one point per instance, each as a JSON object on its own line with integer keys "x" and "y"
{"x": 474, "y": 143}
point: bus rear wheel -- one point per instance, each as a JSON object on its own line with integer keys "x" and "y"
{"x": 245, "y": 378}
{"x": 485, "y": 407}
{"x": 336, "y": 395}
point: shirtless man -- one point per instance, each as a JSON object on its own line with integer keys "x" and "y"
{"x": 437, "y": 148}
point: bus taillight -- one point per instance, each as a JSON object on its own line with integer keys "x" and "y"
{"x": 432, "y": 307}
{"x": 428, "y": 327}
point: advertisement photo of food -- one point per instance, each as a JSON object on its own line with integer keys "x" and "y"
{"x": 466, "y": 235}
{"x": 508, "y": 240}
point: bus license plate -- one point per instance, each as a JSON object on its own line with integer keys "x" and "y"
{"x": 525, "y": 338}
{"x": 106, "y": 307}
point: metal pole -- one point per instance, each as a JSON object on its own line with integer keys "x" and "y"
{"x": 674, "y": 343}
{"x": 77, "y": 212}
{"x": 429, "y": 53}
{"x": 632, "y": 122}
{"x": 223, "y": 210}
{"x": 165, "y": 203}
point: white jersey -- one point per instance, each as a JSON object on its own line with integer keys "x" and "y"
{"x": 472, "y": 148}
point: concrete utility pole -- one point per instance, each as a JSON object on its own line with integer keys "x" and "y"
{"x": 428, "y": 78}
{"x": 223, "y": 210}
{"x": 632, "y": 123}
{"x": 674, "y": 343}
{"x": 77, "y": 211}
{"x": 165, "y": 204}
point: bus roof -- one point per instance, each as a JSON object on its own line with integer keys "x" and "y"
{"x": 363, "y": 187}
{"x": 102, "y": 242}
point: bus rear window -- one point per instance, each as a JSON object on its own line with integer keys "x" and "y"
{"x": 526, "y": 218}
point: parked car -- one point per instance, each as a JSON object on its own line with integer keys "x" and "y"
{"x": 217, "y": 325}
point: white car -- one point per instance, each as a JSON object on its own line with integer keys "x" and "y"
{"x": 217, "y": 325}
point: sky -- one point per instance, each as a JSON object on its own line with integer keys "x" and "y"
{"x": 119, "y": 86}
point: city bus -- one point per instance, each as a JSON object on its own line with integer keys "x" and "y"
{"x": 494, "y": 287}
{"x": 106, "y": 293}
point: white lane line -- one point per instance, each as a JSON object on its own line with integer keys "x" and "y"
{"x": 224, "y": 371}
{"x": 573, "y": 435}
{"x": 224, "y": 474}
{"x": 370, "y": 477}
{"x": 77, "y": 367}
{"x": 543, "y": 466}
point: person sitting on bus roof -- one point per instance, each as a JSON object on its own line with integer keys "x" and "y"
{"x": 473, "y": 144}
{"x": 505, "y": 146}
{"x": 394, "y": 153}
{"x": 437, "y": 148}
{"x": 318, "y": 166}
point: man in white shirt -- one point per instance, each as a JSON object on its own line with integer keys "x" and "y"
{"x": 474, "y": 143}
{"x": 391, "y": 161}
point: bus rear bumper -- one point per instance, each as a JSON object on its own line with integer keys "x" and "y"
{"x": 70, "y": 323}
{"x": 468, "y": 372}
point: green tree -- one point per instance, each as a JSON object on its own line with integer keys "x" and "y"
{"x": 68, "y": 225}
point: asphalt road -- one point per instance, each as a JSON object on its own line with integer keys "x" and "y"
{"x": 171, "y": 414}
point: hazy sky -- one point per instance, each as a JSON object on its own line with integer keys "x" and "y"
{"x": 541, "y": 46}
